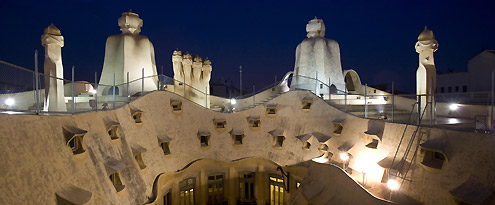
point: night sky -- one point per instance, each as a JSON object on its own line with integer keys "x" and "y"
{"x": 376, "y": 37}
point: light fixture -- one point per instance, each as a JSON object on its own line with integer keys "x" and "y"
{"x": 454, "y": 106}
{"x": 92, "y": 91}
{"x": 10, "y": 102}
{"x": 453, "y": 121}
{"x": 233, "y": 101}
{"x": 321, "y": 159}
{"x": 344, "y": 156}
{"x": 392, "y": 184}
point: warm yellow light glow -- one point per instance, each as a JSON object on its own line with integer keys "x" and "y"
{"x": 92, "y": 91}
{"x": 344, "y": 156}
{"x": 322, "y": 159}
{"x": 392, "y": 184}
{"x": 366, "y": 162}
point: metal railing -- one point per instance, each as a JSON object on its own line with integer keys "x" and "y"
{"x": 22, "y": 90}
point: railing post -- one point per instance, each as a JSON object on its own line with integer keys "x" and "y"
{"x": 419, "y": 109}
{"x": 240, "y": 80}
{"x": 142, "y": 82}
{"x": 393, "y": 101}
{"x": 37, "y": 91}
{"x": 73, "y": 98}
{"x": 184, "y": 86}
{"x": 329, "y": 90}
{"x": 254, "y": 95}
{"x": 96, "y": 89}
{"x": 492, "y": 101}
{"x": 431, "y": 102}
{"x": 113, "y": 91}
{"x": 128, "y": 94}
{"x": 161, "y": 87}
{"x": 316, "y": 83}
{"x": 365, "y": 100}
{"x": 345, "y": 99}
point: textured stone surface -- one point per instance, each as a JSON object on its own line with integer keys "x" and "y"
{"x": 36, "y": 163}
{"x": 320, "y": 56}
{"x": 128, "y": 52}
{"x": 53, "y": 41}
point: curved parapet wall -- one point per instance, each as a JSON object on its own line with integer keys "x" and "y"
{"x": 328, "y": 184}
{"x": 36, "y": 153}
{"x": 161, "y": 133}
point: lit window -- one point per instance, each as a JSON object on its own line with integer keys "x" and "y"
{"x": 298, "y": 184}
{"x": 215, "y": 190}
{"x": 246, "y": 187}
{"x": 186, "y": 189}
{"x": 276, "y": 190}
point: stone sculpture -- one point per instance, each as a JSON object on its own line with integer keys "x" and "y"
{"x": 426, "y": 78}
{"x": 53, "y": 41}
{"x": 128, "y": 52}
{"x": 318, "y": 57}
{"x": 195, "y": 73}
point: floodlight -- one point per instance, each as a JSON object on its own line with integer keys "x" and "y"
{"x": 453, "y": 106}
{"x": 344, "y": 156}
{"x": 392, "y": 184}
{"x": 10, "y": 101}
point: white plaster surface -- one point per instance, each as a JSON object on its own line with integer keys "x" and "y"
{"x": 128, "y": 52}
{"x": 36, "y": 163}
{"x": 53, "y": 41}
{"x": 426, "y": 75}
{"x": 318, "y": 56}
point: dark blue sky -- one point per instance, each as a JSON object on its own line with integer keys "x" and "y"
{"x": 376, "y": 37}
